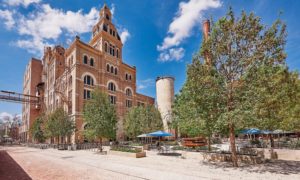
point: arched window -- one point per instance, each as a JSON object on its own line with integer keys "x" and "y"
{"x": 105, "y": 47}
{"x": 113, "y": 51}
{"x": 85, "y": 59}
{"x": 117, "y": 53}
{"x": 92, "y": 62}
{"x": 88, "y": 80}
{"x": 112, "y": 69}
{"x": 116, "y": 71}
{"x": 111, "y": 86}
{"x": 128, "y": 92}
{"x": 126, "y": 76}
{"x": 107, "y": 68}
{"x": 129, "y": 77}
{"x": 105, "y": 27}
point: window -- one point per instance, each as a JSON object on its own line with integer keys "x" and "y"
{"x": 86, "y": 94}
{"x": 126, "y": 76}
{"x": 105, "y": 27}
{"x": 92, "y": 62}
{"x": 140, "y": 104}
{"x": 112, "y": 69}
{"x": 117, "y": 53}
{"x": 71, "y": 61}
{"x": 107, "y": 67}
{"x": 116, "y": 71}
{"x": 70, "y": 81}
{"x": 110, "y": 31}
{"x": 128, "y": 92}
{"x": 128, "y": 103}
{"x": 88, "y": 80}
{"x": 85, "y": 59}
{"x": 105, "y": 47}
{"x": 112, "y": 99}
{"x": 112, "y": 87}
{"x": 113, "y": 51}
{"x": 130, "y": 77}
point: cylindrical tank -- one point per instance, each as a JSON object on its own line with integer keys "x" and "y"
{"x": 164, "y": 98}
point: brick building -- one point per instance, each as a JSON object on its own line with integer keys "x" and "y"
{"x": 66, "y": 77}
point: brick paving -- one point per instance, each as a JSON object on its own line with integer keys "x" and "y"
{"x": 10, "y": 169}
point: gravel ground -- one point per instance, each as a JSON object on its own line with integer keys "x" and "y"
{"x": 54, "y": 164}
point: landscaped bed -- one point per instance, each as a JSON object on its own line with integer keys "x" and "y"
{"x": 248, "y": 156}
{"x": 128, "y": 151}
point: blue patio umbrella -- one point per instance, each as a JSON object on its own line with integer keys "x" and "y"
{"x": 266, "y": 132}
{"x": 251, "y": 131}
{"x": 254, "y": 131}
{"x": 245, "y": 131}
{"x": 160, "y": 134}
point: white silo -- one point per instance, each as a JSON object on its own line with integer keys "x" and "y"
{"x": 165, "y": 98}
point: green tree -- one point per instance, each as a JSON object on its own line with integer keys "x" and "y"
{"x": 59, "y": 124}
{"x": 199, "y": 104}
{"x": 291, "y": 107}
{"x": 141, "y": 120}
{"x": 100, "y": 117}
{"x": 36, "y": 129}
{"x": 234, "y": 48}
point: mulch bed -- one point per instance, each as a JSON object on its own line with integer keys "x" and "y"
{"x": 10, "y": 169}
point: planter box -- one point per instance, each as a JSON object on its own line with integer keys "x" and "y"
{"x": 219, "y": 157}
{"x": 128, "y": 154}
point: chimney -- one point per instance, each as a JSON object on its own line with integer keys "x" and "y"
{"x": 206, "y": 28}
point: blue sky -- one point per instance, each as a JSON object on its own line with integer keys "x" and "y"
{"x": 160, "y": 36}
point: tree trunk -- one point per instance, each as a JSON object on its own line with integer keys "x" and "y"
{"x": 232, "y": 145}
{"x": 208, "y": 143}
{"x": 100, "y": 144}
{"x": 272, "y": 141}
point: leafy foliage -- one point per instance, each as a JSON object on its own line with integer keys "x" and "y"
{"x": 36, "y": 129}
{"x": 226, "y": 87}
{"x": 59, "y": 124}
{"x": 140, "y": 120}
{"x": 100, "y": 116}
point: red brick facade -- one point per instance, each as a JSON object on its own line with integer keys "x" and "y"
{"x": 69, "y": 75}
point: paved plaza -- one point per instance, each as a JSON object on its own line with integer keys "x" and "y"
{"x": 54, "y": 164}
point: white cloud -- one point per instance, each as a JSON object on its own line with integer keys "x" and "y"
{"x": 188, "y": 16}
{"x": 24, "y": 3}
{"x": 112, "y": 9}
{"x": 124, "y": 35}
{"x": 48, "y": 24}
{"x": 143, "y": 84}
{"x": 7, "y": 16}
{"x": 45, "y": 25}
{"x": 5, "y": 115}
{"x": 171, "y": 54}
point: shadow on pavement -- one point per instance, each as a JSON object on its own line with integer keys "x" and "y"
{"x": 275, "y": 167}
{"x": 10, "y": 169}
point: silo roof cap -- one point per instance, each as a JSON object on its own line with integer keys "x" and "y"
{"x": 165, "y": 77}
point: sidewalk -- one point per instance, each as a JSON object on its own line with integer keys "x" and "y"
{"x": 10, "y": 169}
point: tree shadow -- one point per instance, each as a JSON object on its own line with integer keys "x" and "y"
{"x": 276, "y": 167}
{"x": 10, "y": 169}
